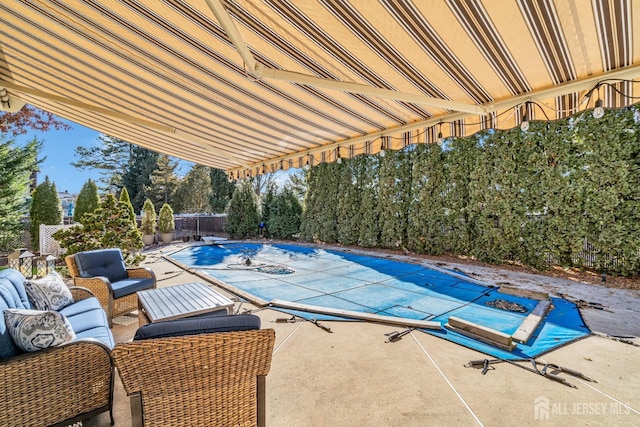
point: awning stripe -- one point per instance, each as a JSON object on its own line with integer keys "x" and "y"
{"x": 329, "y": 45}
{"x": 406, "y": 14}
{"x": 613, "y": 20}
{"x": 287, "y": 48}
{"x": 350, "y": 17}
{"x": 543, "y": 23}
{"x": 478, "y": 25}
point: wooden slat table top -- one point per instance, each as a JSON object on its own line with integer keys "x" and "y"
{"x": 180, "y": 301}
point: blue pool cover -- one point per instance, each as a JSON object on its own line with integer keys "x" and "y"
{"x": 348, "y": 281}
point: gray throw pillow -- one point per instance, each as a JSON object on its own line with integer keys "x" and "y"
{"x": 49, "y": 292}
{"x": 34, "y": 330}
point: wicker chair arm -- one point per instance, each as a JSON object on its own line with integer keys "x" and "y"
{"x": 141, "y": 273}
{"x": 53, "y": 385}
{"x": 100, "y": 286}
{"x": 80, "y": 293}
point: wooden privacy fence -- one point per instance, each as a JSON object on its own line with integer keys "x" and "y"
{"x": 199, "y": 225}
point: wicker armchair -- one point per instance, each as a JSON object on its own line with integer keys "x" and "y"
{"x": 124, "y": 299}
{"x": 57, "y": 386}
{"x": 200, "y": 380}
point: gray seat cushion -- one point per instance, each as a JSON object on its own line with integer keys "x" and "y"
{"x": 102, "y": 262}
{"x": 126, "y": 287}
{"x": 198, "y": 325}
{"x": 81, "y": 306}
{"x": 102, "y": 334}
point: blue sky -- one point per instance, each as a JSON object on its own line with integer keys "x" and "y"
{"x": 59, "y": 149}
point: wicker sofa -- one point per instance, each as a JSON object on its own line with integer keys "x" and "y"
{"x": 103, "y": 272}
{"x": 58, "y": 385}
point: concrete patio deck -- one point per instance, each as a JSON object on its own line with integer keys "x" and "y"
{"x": 352, "y": 377}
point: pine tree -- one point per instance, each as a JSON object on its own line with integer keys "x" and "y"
{"x": 242, "y": 213}
{"x": 163, "y": 181}
{"x": 45, "y": 209}
{"x": 124, "y": 198}
{"x": 111, "y": 159}
{"x": 221, "y": 190}
{"x": 16, "y": 165}
{"x": 137, "y": 176}
{"x": 87, "y": 201}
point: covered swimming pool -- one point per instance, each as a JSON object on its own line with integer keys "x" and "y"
{"x": 320, "y": 281}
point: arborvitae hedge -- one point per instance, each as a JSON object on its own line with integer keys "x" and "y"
{"x": 525, "y": 197}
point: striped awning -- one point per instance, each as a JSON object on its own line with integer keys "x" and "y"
{"x": 253, "y": 86}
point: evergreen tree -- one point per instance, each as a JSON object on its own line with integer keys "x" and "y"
{"x": 111, "y": 158}
{"x": 394, "y": 198}
{"x": 166, "y": 222}
{"x": 242, "y": 213}
{"x": 459, "y": 222}
{"x": 137, "y": 176}
{"x": 163, "y": 181}
{"x": 320, "y": 203}
{"x": 16, "y": 166}
{"x": 45, "y": 209}
{"x": 193, "y": 191}
{"x": 298, "y": 183}
{"x": 427, "y": 208}
{"x": 148, "y": 221}
{"x": 87, "y": 201}
{"x": 221, "y": 190}
{"x": 265, "y": 207}
{"x": 369, "y": 229}
{"x": 124, "y": 198}
{"x": 109, "y": 226}
{"x": 285, "y": 215}
{"x": 349, "y": 202}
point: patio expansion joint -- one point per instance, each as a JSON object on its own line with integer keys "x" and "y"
{"x": 279, "y": 346}
{"x": 449, "y": 383}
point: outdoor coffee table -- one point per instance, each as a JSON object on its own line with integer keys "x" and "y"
{"x": 180, "y": 301}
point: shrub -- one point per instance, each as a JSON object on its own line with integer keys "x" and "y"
{"x": 109, "y": 226}
{"x": 148, "y": 222}
{"x": 166, "y": 223}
